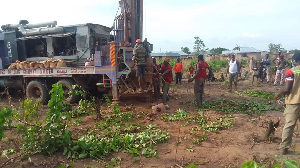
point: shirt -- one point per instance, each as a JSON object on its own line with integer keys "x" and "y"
{"x": 191, "y": 69}
{"x": 167, "y": 77}
{"x": 266, "y": 62}
{"x": 140, "y": 55}
{"x": 293, "y": 75}
{"x": 158, "y": 67}
{"x": 203, "y": 66}
{"x": 233, "y": 68}
{"x": 178, "y": 67}
{"x": 282, "y": 64}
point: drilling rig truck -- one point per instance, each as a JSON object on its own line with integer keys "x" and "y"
{"x": 93, "y": 56}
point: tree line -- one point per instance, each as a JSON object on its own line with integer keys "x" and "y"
{"x": 200, "y": 48}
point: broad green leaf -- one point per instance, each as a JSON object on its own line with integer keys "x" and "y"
{"x": 291, "y": 163}
{"x": 250, "y": 164}
{"x": 191, "y": 166}
{"x": 277, "y": 165}
{"x": 83, "y": 155}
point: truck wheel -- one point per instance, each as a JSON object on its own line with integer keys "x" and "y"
{"x": 67, "y": 87}
{"x": 38, "y": 91}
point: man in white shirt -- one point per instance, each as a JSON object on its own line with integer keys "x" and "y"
{"x": 234, "y": 69}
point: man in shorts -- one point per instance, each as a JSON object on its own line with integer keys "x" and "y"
{"x": 139, "y": 56}
{"x": 234, "y": 70}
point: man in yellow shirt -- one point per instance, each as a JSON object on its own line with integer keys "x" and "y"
{"x": 291, "y": 113}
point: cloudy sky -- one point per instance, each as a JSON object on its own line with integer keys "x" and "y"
{"x": 172, "y": 24}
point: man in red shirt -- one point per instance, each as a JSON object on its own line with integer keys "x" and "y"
{"x": 191, "y": 69}
{"x": 178, "y": 71}
{"x": 291, "y": 113}
{"x": 156, "y": 79}
{"x": 166, "y": 71}
{"x": 199, "y": 77}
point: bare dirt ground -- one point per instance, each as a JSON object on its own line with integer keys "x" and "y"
{"x": 231, "y": 147}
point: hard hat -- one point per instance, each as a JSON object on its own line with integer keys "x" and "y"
{"x": 138, "y": 40}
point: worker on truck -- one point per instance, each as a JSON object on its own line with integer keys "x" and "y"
{"x": 291, "y": 113}
{"x": 139, "y": 57}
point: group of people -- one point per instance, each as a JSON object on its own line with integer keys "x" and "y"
{"x": 264, "y": 68}
{"x": 291, "y": 89}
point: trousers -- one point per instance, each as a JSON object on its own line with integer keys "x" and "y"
{"x": 178, "y": 77}
{"x": 199, "y": 91}
{"x": 165, "y": 91}
{"x": 291, "y": 115}
{"x": 279, "y": 76}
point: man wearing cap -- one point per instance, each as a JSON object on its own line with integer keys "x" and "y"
{"x": 199, "y": 77}
{"x": 266, "y": 64}
{"x": 167, "y": 76}
{"x": 139, "y": 56}
{"x": 234, "y": 69}
{"x": 282, "y": 64}
{"x": 178, "y": 71}
{"x": 291, "y": 113}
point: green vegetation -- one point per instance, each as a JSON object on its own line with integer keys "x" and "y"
{"x": 258, "y": 93}
{"x": 5, "y": 120}
{"x": 218, "y": 64}
{"x": 288, "y": 163}
{"x": 114, "y": 133}
{"x": 207, "y": 124}
{"x": 230, "y": 106}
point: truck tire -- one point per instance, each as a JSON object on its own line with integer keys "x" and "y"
{"x": 38, "y": 91}
{"x": 67, "y": 87}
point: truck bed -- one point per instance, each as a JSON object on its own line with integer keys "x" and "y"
{"x": 65, "y": 71}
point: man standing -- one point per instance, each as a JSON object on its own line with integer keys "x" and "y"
{"x": 178, "y": 71}
{"x": 156, "y": 79}
{"x": 266, "y": 64}
{"x": 282, "y": 64}
{"x": 199, "y": 77}
{"x": 291, "y": 113}
{"x": 251, "y": 65}
{"x": 139, "y": 56}
{"x": 234, "y": 70}
{"x": 191, "y": 69}
{"x": 166, "y": 71}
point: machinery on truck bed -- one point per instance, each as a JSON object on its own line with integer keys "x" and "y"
{"x": 93, "y": 56}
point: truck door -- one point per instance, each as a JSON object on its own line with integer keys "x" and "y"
{"x": 82, "y": 42}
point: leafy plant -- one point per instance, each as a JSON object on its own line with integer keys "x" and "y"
{"x": 5, "y": 120}
{"x": 258, "y": 93}
{"x": 84, "y": 107}
{"x": 28, "y": 112}
{"x": 217, "y": 64}
{"x": 191, "y": 166}
{"x": 54, "y": 135}
{"x": 107, "y": 100}
{"x": 179, "y": 115}
{"x": 288, "y": 163}
{"x": 248, "y": 107}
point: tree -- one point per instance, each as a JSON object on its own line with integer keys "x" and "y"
{"x": 199, "y": 46}
{"x": 186, "y": 50}
{"x": 293, "y": 51}
{"x": 275, "y": 47}
{"x": 217, "y": 51}
{"x": 237, "y": 48}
